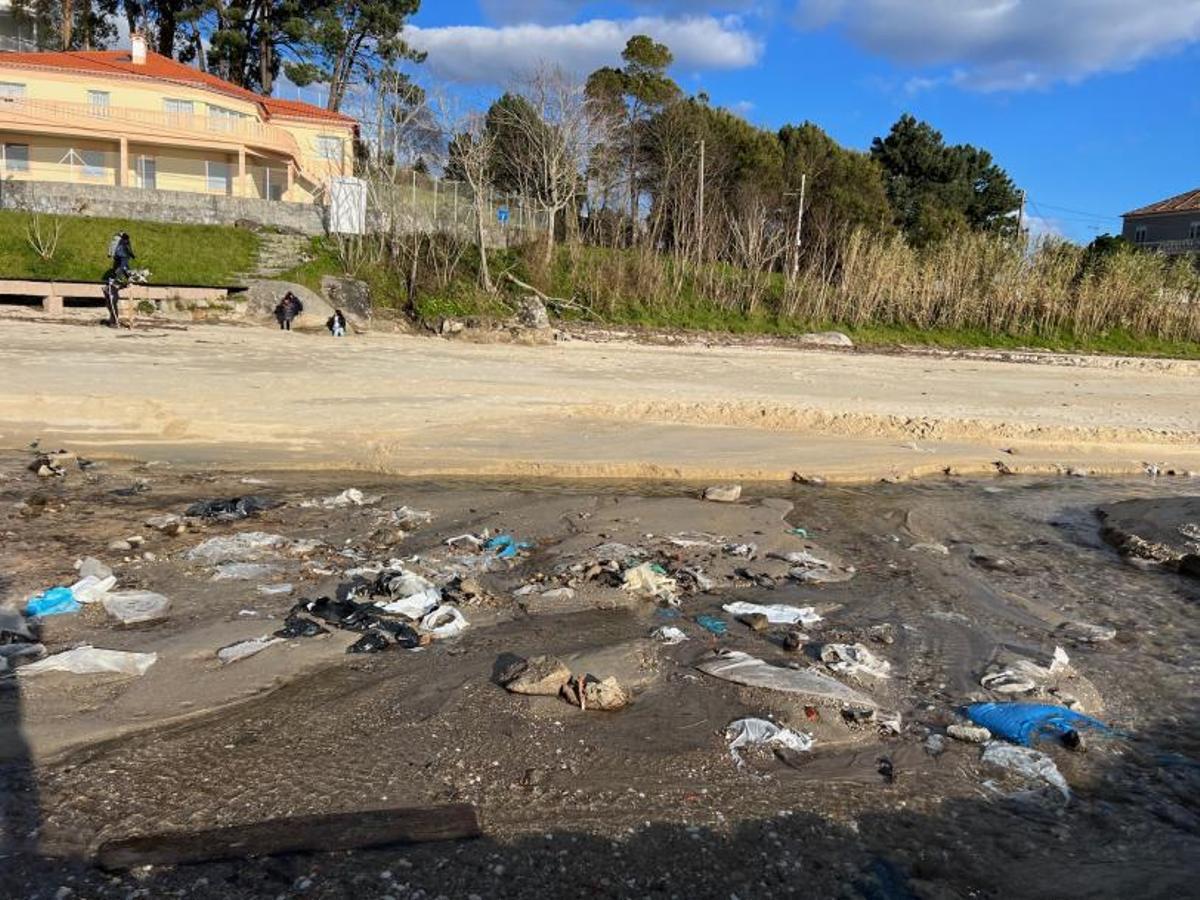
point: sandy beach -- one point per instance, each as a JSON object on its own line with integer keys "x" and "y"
{"x": 424, "y": 406}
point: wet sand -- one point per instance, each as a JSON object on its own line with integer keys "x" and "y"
{"x": 950, "y": 577}
{"x": 392, "y": 404}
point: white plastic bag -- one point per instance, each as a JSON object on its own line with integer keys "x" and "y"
{"x": 777, "y": 613}
{"x": 669, "y": 634}
{"x": 88, "y": 660}
{"x": 242, "y": 649}
{"x": 1033, "y": 764}
{"x": 91, "y": 589}
{"x": 742, "y": 668}
{"x": 132, "y": 607}
{"x": 854, "y": 659}
{"x": 444, "y": 622}
{"x": 752, "y": 732}
{"x": 645, "y": 580}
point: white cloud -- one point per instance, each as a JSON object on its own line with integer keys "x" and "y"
{"x": 483, "y": 55}
{"x": 1011, "y": 44}
{"x": 544, "y": 12}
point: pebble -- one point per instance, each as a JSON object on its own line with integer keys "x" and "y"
{"x": 120, "y": 546}
{"x": 971, "y": 734}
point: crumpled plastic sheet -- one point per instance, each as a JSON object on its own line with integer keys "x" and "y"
{"x": 646, "y": 580}
{"x": 742, "y": 668}
{"x": 669, "y": 634}
{"x": 854, "y": 659}
{"x": 55, "y": 601}
{"x": 1032, "y": 764}
{"x": 348, "y": 497}
{"x": 244, "y": 571}
{"x": 777, "y": 613}
{"x": 242, "y": 649}
{"x": 1024, "y": 675}
{"x": 1024, "y": 723}
{"x": 88, "y": 660}
{"x": 754, "y": 732}
{"x": 91, "y": 588}
{"x": 444, "y": 622}
{"x": 232, "y": 509}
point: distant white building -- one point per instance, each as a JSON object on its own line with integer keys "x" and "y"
{"x": 15, "y": 35}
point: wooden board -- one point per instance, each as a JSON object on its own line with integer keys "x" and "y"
{"x": 297, "y": 834}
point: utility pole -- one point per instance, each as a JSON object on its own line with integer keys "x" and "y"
{"x": 700, "y": 208}
{"x": 799, "y": 226}
{"x": 1021, "y": 215}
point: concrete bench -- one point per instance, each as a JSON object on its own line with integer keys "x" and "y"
{"x": 53, "y": 293}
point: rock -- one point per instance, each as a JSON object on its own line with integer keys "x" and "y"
{"x": 607, "y": 695}
{"x": 755, "y": 621}
{"x": 1086, "y": 632}
{"x": 540, "y": 676}
{"x": 825, "y": 339}
{"x": 813, "y": 480}
{"x": 120, "y": 546}
{"x": 450, "y": 326}
{"x": 971, "y": 734}
{"x": 564, "y": 593}
{"x": 169, "y": 524}
{"x": 135, "y": 540}
{"x": 531, "y": 313}
{"x": 92, "y": 566}
{"x": 723, "y": 493}
{"x": 794, "y": 640}
{"x": 1190, "y": 565}
{"x": 262, "y": 296}
{"x": 351, "y": 296}
{"x": 935, "y": 745}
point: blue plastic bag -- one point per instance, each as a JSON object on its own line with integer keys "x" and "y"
{"x": 506, "y": 546}
{"x": 1023, "y": 723}
{"x": 54, "y": 601}
{"x": 717, "y": 626}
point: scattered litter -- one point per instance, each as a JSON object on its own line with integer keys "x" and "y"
{"x": 271, "y": 590}
{"x": 88, "y": 660}
{"x": 613, "y": 551}
{"x": 348, "y": 497}
{"x": 242, "y": 649}
{"x": 506, "y": 546}
{"x": 90, "y": 566}
{"x": 669, "y": 634}
{"x": 692, "y": 579}
{"x": 756, "y": 732}
{"x": 650, "y": 580}
{"x": 745, "y": 551}
{"x": 371, "y": 642}
{"x": 135, "y": 607}
{"x": 970, "y": 734}
{"x": 854, "y": 660}
{"x": 444, "y": 622}
{"x": 414, "y": 596}
{"x": 689, "y": 539}
{"x": 799, "y": 532}
{"x": 246, "y": 547}
{"x": 777, "y": 614}
{"x": 723, "y": 493}
{"x": 1024, "y": 723}
{"x": 1033, "y": 764}
{"x": 55, "y": 601}
{"x": 242, "y": 571}
{"x": 415, "y": 606}
{"x": 742, "y": 668}
{"x": 295, "y": 626}
{"x": 468, "y": 539}
{"x": 232, "y": 509}
{"x": 91, "y": 589}
{"x": 407, "y": 517}
{"x": 1087, "y": 633}
{"x": 713, "y": 624}
{"x": 1024, "y": 675}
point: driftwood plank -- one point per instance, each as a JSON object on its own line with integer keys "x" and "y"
{"x": 297, "y": 834}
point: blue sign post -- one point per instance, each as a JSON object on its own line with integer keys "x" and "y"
{"x": 502, "y": 215}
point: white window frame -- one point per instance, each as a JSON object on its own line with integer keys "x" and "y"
{"x": 226, "y": 179}
{"x": 1139, "y": 234}
{"x": 5, "y": 151}
{"x": 99, "y": 102}
{"x": 177, "y": 109}
{"x": 141, "y": 171}
{"x": 325, "y": 145}
{"x": 12, "y": 90}
{"x": 1194, "y": 231}
{"x": 222, "y": 118}
{"x": 92, "y": 169}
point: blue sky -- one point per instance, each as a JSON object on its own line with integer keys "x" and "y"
{"x": 1093, "y": 106}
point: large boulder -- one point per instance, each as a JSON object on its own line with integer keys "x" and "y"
{"x": 262, "y": 296}
{"x": 351, "y": 296}
{"x": 826, "y": 339}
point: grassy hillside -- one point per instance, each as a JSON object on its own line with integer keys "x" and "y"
{"x": 174, "y": 254}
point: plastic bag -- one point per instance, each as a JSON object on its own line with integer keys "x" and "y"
{"x": 55, "y": 601}
{"x": 645, "y": 579}
{"x": 669, "y": 634}
{"x": 854, "y": 659}
{"x": 348, "y": 497}
{"x": 242, "y": 571}
{"x": 91, "y": 589}
{"x": 132, "y": 607}
{"x": 1033, "y": 764}
{"x": 232, "y": 509}
{"x": 753, "y": 732}
{"x": 88, "y": 660}
{"x": 242, "y": 649}
{"x": 248, "y": 545}
{"x": 777, "y": 614}
{"x": 713, "y": 625}
{"x": 742, "y": 668}
{"x": 1023, "y": 723}
{"x": 444, "y": 622}
{"x": 415, "y": 606}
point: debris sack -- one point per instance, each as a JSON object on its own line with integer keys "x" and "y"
{"x": 777, "y": 614}
{"x": 756, "y": 732}
{"x": 1024, "y": 723}
{"x": 88, "y": 660}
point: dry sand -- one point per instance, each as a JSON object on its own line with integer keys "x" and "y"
{"x": 420, "y": 406}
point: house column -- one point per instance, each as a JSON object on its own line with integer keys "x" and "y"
{"x": 123, "y": 164}
{"x": 241, "y": 182}
{"x": 291, "y": 174}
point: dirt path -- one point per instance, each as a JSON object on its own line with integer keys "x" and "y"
{"x": 423, "y": 406}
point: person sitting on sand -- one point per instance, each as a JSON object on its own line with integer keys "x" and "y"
{"x": 337, "y": 324}
{"x": 287, "y": 310}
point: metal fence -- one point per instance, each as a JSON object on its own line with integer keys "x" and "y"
{"x": 415, "y": 202}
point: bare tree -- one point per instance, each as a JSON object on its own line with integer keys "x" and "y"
{"x": 555, "y": 131}
{"x": 473, "y": 149}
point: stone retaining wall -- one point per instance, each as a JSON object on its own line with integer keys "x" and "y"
{"x": 102, "y": 200}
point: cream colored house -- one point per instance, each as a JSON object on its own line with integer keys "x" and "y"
{"x": 135, "y": 118}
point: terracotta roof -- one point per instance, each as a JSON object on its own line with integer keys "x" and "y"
{"x": 1186, "y": 202}
{"x": 162, "y": 68}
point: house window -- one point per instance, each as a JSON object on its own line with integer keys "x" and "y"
{"x": 1139, "y": 234}
{"x": 98, "y": 101}
{"x": 222, "y": 119}
{"x": 93, "y": 163}
{"x": 1194, "y": 231}
{"x": 177, "y": 109}
{"x": 218, "y": 177}
{"x": 16, "y": 157}
{"x": 147, "y": 169}
{"x": 329, "y": 148}
{"x": 11, "y": 90}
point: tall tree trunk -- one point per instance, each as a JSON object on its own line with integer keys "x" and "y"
{"x": 168, "y": 30}
{"x": 485, "y": 278}
{"x": 68, "y": 23}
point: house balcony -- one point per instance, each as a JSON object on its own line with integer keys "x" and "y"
{"x": 1173, "y": 248}
{"x": 146, "y": 126}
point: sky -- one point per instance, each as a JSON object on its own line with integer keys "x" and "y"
{"x": 1092, "y": 106}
